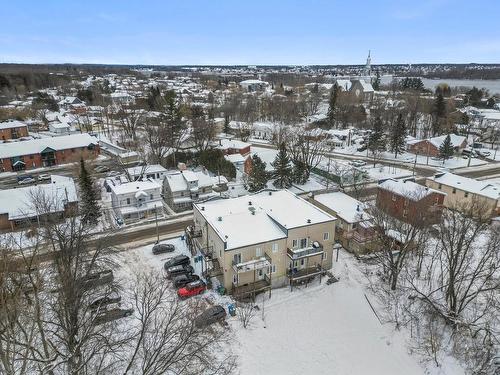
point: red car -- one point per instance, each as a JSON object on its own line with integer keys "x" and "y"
{"x": 192, "y": 289}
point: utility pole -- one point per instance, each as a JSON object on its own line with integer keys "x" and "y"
{"x": 156, "y": 220}
{"x": 415, "y": 164}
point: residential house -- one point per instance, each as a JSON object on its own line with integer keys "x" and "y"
{"x": 256, "y": 242}
{"x": 46, "y": 152}
{"x": 137, "y": 200}
{"x": 73, "y": 105}
{"x": 410, "y": 202}
{"x": 17, "y": 208}
{"x": 254, "y": 85}
{"x": 120, "y": 97}
{"x": 13, "y": 129}
{"x": 354, "y": 227}
{"x": 233, "y": 146}
{"x": 463, "y": 193}
{"x": 182, "y": 188}
{"x": 430, "y": 146}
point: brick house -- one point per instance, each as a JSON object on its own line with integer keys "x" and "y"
{"x": 13, "y": 129}
{"x": 410, "y": 202}
{"x": 233, "y": 146}
{"x": 46, "y": 152}
{"x": 431, "y": 146}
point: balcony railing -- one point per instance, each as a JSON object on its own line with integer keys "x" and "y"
{"x": 252, "y": 265}
{"x": 261, "y": 285}
{"x": 295, "y": 254}
{"x": 193, "y": 232}
{"x": 304, "y": 273}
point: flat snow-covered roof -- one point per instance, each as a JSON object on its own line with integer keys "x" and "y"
{"x": 347, "y": 208}
{"x": 484, "y": 188}
{"x": 408, "y": 189}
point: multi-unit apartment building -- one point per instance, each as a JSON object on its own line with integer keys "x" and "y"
{"x": 463, "y": 193}
{"x": 256, "y": 242}
{"x": 46, "y": 152}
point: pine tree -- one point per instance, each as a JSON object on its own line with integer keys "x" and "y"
{"x": 376, "y": 81}
{"x": 282, "y": 169}
{"x": 398, "y": 136}
{"x": 446, "y": 149}
{"x": 439, "y": 113}
{"x": 258, "y": 177}
{"x": 332, "y": 104}
{"x": 90, "y": 211}
{"x": 300, "y": 173}
{"x": 226, "y": 124}
{"x": 376, "y": 141}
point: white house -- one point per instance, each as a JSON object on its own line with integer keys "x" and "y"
{"x": 254, "y": 85}
{"x": 137, "y": 200}
{"x": 120, "y": 97}
{"x": 154, "y": 172}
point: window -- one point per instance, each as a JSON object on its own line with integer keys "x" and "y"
{"x": 406, "y": 202}
{"x": 235, "y": 278}
{"x": 275, "y": 247}
{"x": 273, "y": 268}
{"x": 303, "y": 242}
{"x": 466, "y": 194}
{"x": 128, "y": 200}
{"x": 258, "y": 252}
{"x": 326, "y": 236}
{"x": 405, "y": 213}
{"x": 454, "y": 191}
{"x": 151, "y": 196}
{"x": 393, "y": 198}
{"x": 237, "y": 258}
{"x": 439, "y": 186}
{"x": 294, "y": 243}
{"x": 302, "y": 262}
{"x": 324, "y": 256}
{"x": 73, "y": 150}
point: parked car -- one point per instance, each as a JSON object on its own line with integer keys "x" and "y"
{"x": 25, "y": 180}
{"x": 358, "y": 163}
{"x": 469, "y": 152}
{"x": 483, "y": 153}
{"x": 178, "y": 260}
{"x": 210, "y": 316}
{"x": 179, "y": 270}
{"x": 161, "y": 248}
{"x": 44, "y": 177}
{"x": 192, "y": 289}
{"x": 113, "y": 174}
{"x": 182, "y": 280}
{"x": 101, "y": 169}
{"x": 362, "y": 148}
{"x": 114, "y": 314}
{"x": 104, "y": 301}
{"x": 97, "y": 279}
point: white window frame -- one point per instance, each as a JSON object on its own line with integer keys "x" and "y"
{"x": 300, "y": 243}
{"x": 275, "y": 247}
{"x": 258, "y": 251}
{"x": 295, "y": 243}
{"x": 326, "y": 236}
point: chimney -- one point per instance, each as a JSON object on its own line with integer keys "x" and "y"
{"x": 308, "y": 221}
{"x": 249, "y": 203}
{"x": 357, "y": 208}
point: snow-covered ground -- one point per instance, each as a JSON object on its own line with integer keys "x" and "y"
{"x": 319, "y": 329}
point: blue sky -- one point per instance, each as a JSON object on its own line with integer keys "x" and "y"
{"x": 249, "y": 32}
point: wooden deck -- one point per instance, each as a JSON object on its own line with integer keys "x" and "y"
{"x": 252, "y": 288}
{"x": 305, "y": 273}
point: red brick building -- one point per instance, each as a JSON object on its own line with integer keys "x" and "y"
{"x": 13, "y": 129}
{"x": 233, "y": 146}
{"x": 431, "y": 146}
{"x": 410, "y": 202}
{"x": 46, "y": 152}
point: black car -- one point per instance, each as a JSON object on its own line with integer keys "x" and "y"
{"x": 104, "y": 301}
{"x": 184, "y": 279}
{"x": 178, "y": 260}
{"x": 110, "y": 315}
{"x": 210, "y": 316}
{"x": 161, "y": 248}
{"x": 96, "y": 279}
{"x": 182, "y": 269}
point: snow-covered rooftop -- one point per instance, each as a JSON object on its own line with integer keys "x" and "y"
{"x": 134, "y": 187}
{"x": 408, "y": 189}
{"x": 12, "y": 124}
{"x": 484, "y": 188}
{"x": 268, "y": 213}
{"x": 347, "y": 208}
{"x": 18, "y": 203}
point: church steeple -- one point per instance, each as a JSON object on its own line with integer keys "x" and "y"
{"x": 368, "y": 67}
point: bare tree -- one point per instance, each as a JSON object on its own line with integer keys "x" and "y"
{"x": 246, "y": 313}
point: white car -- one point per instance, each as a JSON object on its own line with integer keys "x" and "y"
{"x": 26, "y": 181}
{"x": 358, "y": 163}
{"x": 43, "y": 177}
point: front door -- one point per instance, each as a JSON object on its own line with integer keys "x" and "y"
{"x": 260, "y": 274}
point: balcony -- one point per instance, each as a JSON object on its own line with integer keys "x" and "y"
{"x": 193, "y": 232}
{"x": 251, "y": 289}
{"x": 252, "y": 265}
{"x": 309, "y": 251}
{"x": 296, "y": 275}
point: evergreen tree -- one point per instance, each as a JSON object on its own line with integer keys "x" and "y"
{"x": 282, "y": 169}
{"x": 332, "y": 104}
{"x": 398, "y": 136}
{"x": 446, "y": 149}
{"x": 376, "y": 141}
{"x": 376, "y": 81}
{"x": 90, "y": 211}
{"x": 439, "y": 113}
{"x": 258, "y": 177}
{"x": 300, "y": 172}
{"x": 226, "y": 124}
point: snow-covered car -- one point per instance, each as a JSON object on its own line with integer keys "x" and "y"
{"x": 210, "y": 316}
{"x": 358, "y": 163}
{"x": 44, "y": 177}
{"x": 161, "y": 248}
{"x": 483, "y": 153}
{"x": 114, "y": 314}
{"x": 113, "y": 174}
{"x": 101, "y": 169}
{"x": 26, "y": 181}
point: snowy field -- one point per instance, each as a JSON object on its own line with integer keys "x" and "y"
{"x": 319, "y": 329}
